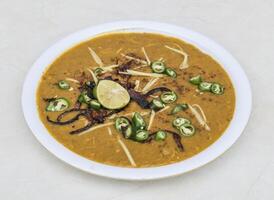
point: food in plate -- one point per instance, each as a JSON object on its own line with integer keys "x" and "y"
{"x": 135, "y": 99}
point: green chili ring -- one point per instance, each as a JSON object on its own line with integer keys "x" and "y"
{"x": 179, "y": 121}
{"x": 84, "y": 98}
{"x": 187, "y": 130}
{"x": 178, "y": 108}
{"x": 138, "y": 121}
{"x": 158, "y": 67}
{"x": 94, "y": 104}
{"x": 168, "y": 97}
{"x": 205, "y": 86}
{"x": 127, "y": 131}
{"x": 121, "y": 122}
{"x": 63, "y": 85}
{"x": 196, "y": 80}
{"x": 156, "y": 104}
{"x": 57, "y": 105}
{"x": 217, "y": 89}
{"x": 170, "y": 72}
{"x": 160, "y": 135}
{"x": 141, "y": 135}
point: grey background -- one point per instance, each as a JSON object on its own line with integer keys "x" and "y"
{"x": 245, "y": 28}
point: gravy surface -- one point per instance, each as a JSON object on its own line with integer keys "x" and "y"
{"x": 99, "y": 145}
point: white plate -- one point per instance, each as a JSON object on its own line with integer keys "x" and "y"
{"x": 232, "y": 67}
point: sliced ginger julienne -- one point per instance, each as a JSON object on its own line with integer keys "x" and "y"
{"x": 180, "y": 51}
{"x": 96, "y": 58}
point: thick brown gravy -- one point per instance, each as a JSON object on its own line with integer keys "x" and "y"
{"x": 101, "y": 146}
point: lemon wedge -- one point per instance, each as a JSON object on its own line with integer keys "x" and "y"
{"x": 111, "y": 95}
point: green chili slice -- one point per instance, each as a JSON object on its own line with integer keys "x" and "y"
{"x": 138, "y": 121}
{"x": 179, "y": 121}
{"x": 187, "y": 130}
{"x": 160, "y": 136}
{"x": 178, "y": 108}
{"x": 141, "y": 135}
{"x": 57, "y": 105}
{"x": 158, "y": 67}
{"x": 81, "y": 98}
{"x": 84, "y": 98}
{"x": 196, "y": 80}
{"x": 121, "y": 122}
{"x": 156, "y": 104}
{"x": 127, "y": 131}
{"x": 205, "y": 86}
{"x": 170, "y": 72}
{"x": 94, "y": 104}
{"x": 217, "y": 89}
{"x": 63, "y": 85}
{"x": 168, "y": 97}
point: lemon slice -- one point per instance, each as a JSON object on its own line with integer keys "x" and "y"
{"x": 111, "y": 95}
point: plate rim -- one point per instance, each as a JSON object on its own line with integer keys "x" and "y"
{"x": 232, "y": 133}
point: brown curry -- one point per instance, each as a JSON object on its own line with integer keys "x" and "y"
{"x": 158, "y": 77}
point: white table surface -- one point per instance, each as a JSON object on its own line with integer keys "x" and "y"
{"x": 245, "y": 28}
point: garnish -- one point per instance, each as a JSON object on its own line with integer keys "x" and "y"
{"x": 72, "y": 80}
{"x": 84, "y": 98}
{"x": 168, "y": 97}
{"x": 180, "y": 51}
{"x": 106, "y": 94}
{"x": 138, "y": 121}
{"x": 170, "y": 72}
{"x": 184, "y": 126}
{"x": 111, "y": 94}
{"x": 149, "y": 84}
{"x": 160, "y": 135}
{"x": 121, "y": 122}
{"x": 201, "y": 118}
{"x": 127, "y": 131}
{"x": 96, "y": 58}
{"x": 137, "y": 84}
{"x": 151, "y": 119}
{"x": 138, "y": 60}
{"x": 156, "y": 90}
{"x": 63, "y": 85}
{"x": 95, "y": 79}
{"x": 145, "y": 53}
{"x": 164, "y": 109}
{"x": 158, "y": 67}
{"x": 178, "y": 108}
{"x": 187, "y": 130}
{"x": 196, "y": 80}
{"x": 132, "y": 130}
{"x": 217, "y": 89}
{"x": 141, "y": 135}
{"x": 128, "y": 154}
{"x": 156, "y": 104}
{"x": 98, "y": 70}
{"x": 139, "y": 98}
{"x": 109, "y": 68}
{"x": 94, "y": 104}
{"x": 92, "y": 116}
{"x": 137, "y": 73}
{"x": 214, "y": 88}
{"x": 96, "y": 127}
{"x": 205, "y": 86}
{"x": 57, "y": 105}
{"x": 179, "y": 121}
